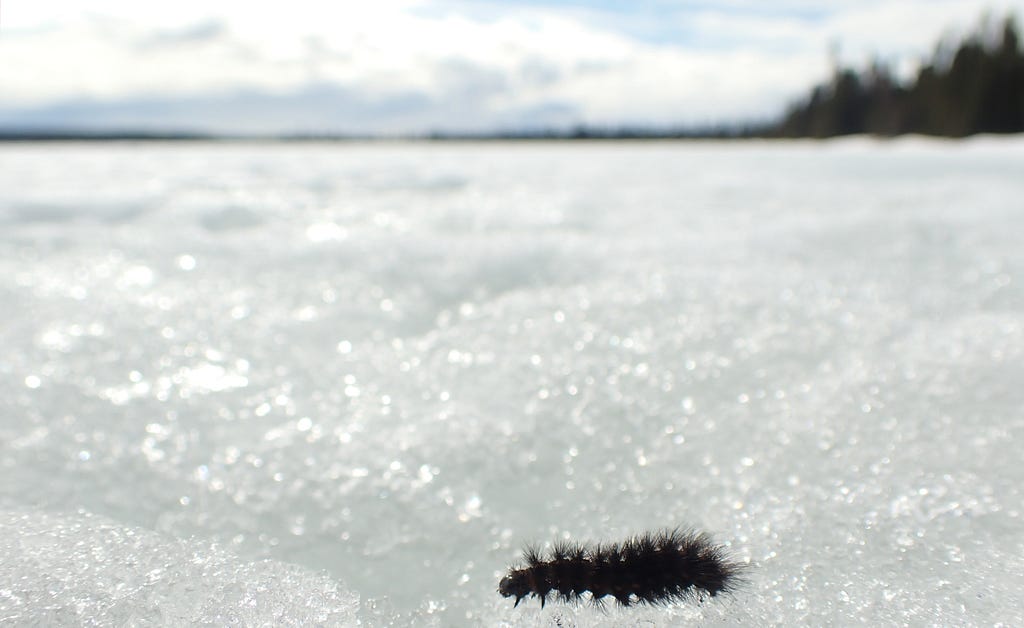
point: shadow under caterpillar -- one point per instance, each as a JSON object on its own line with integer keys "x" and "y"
{"x": 657, "y": 568}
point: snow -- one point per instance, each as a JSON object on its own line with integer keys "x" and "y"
{"x": 345, "y": 383}
{"x": 84, "y": 570}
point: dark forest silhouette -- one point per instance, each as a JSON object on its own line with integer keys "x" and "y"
{"x": 974, "y": 87}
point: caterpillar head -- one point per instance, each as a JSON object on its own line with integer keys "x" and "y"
{"x": 516, "y": 583}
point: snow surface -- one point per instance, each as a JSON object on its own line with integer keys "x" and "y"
{"x": 262, "y": 384}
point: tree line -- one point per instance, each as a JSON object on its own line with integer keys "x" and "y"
{"x": 976, "y": 86}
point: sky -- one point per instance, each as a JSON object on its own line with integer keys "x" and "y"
{"x": 420, "y": 66}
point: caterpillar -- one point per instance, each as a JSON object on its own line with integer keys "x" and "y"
{"x": 657, "y": 568}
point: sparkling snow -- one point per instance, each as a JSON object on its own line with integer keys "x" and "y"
{"x": 297, "y": 384}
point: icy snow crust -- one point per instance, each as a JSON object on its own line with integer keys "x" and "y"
{"x": 267, "y": 384}
{"x": 89, "y": 571}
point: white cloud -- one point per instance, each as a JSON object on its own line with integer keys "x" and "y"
{"x": 732, "y": 61}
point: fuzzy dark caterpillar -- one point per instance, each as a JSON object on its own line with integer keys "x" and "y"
{"x": 654, "y": 568}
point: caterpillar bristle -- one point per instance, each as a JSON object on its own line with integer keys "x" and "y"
{"x": 659, "y": 568}
{"x": 532, "y": 555}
